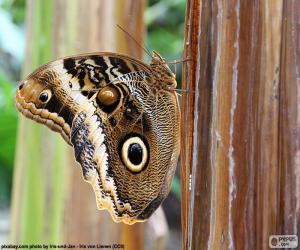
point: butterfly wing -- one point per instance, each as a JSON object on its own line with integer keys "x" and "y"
{"x": 124, "y": 129}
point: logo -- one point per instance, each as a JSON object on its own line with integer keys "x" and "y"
{"x": 283, "y": 241}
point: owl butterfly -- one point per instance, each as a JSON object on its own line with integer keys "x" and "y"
{"x": 122, "y": 118}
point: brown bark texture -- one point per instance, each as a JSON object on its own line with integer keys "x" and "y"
{"x": 241, "y": 150}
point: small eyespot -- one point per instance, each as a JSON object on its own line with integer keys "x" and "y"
{"x": 21, "y": 86}
{"x": 84, "y": 92}
{"x": 112, "y": 121}
{"x": 45, "y": 96}
{"x": 108, "y": 96}
{"x": 134, "y": 154}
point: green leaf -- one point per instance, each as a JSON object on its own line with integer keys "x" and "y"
{"x": 8, "y": 130}
{"x": 8, "y": 122}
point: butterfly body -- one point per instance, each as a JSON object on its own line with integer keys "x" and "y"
{"x": 122, "y": 118}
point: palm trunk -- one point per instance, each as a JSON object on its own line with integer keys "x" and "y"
{"x": 242, "y": 145}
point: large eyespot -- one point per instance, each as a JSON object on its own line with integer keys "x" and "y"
{"x": 134, "y": 154}
{"x": 45, "y": 96}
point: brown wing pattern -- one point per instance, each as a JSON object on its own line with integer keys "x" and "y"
{"x": 122, "y": 118}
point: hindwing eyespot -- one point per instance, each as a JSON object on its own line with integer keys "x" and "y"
{"x": 134, "y": 154}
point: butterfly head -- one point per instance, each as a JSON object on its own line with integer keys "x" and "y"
{"x": 31, "y": 91}
{"x": 161, "y": 71}
{"x": 37, "y": 99}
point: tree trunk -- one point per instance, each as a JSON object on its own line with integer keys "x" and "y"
{"x": 242, "y": 145}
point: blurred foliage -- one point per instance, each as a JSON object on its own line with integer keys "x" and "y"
{"x": 8, "y": 128}
{"x": 11, "y": 49}
{"x": 8, "y": 121}
{"x": 16, "y": 8}
{"x": 164, "y": 19}
{"x": 165, "y": 22}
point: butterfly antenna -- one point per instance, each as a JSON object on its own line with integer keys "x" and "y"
{"x": 147, "y": 51}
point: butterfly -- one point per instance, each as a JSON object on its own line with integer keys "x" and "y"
{"x": 122, "y": 118}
